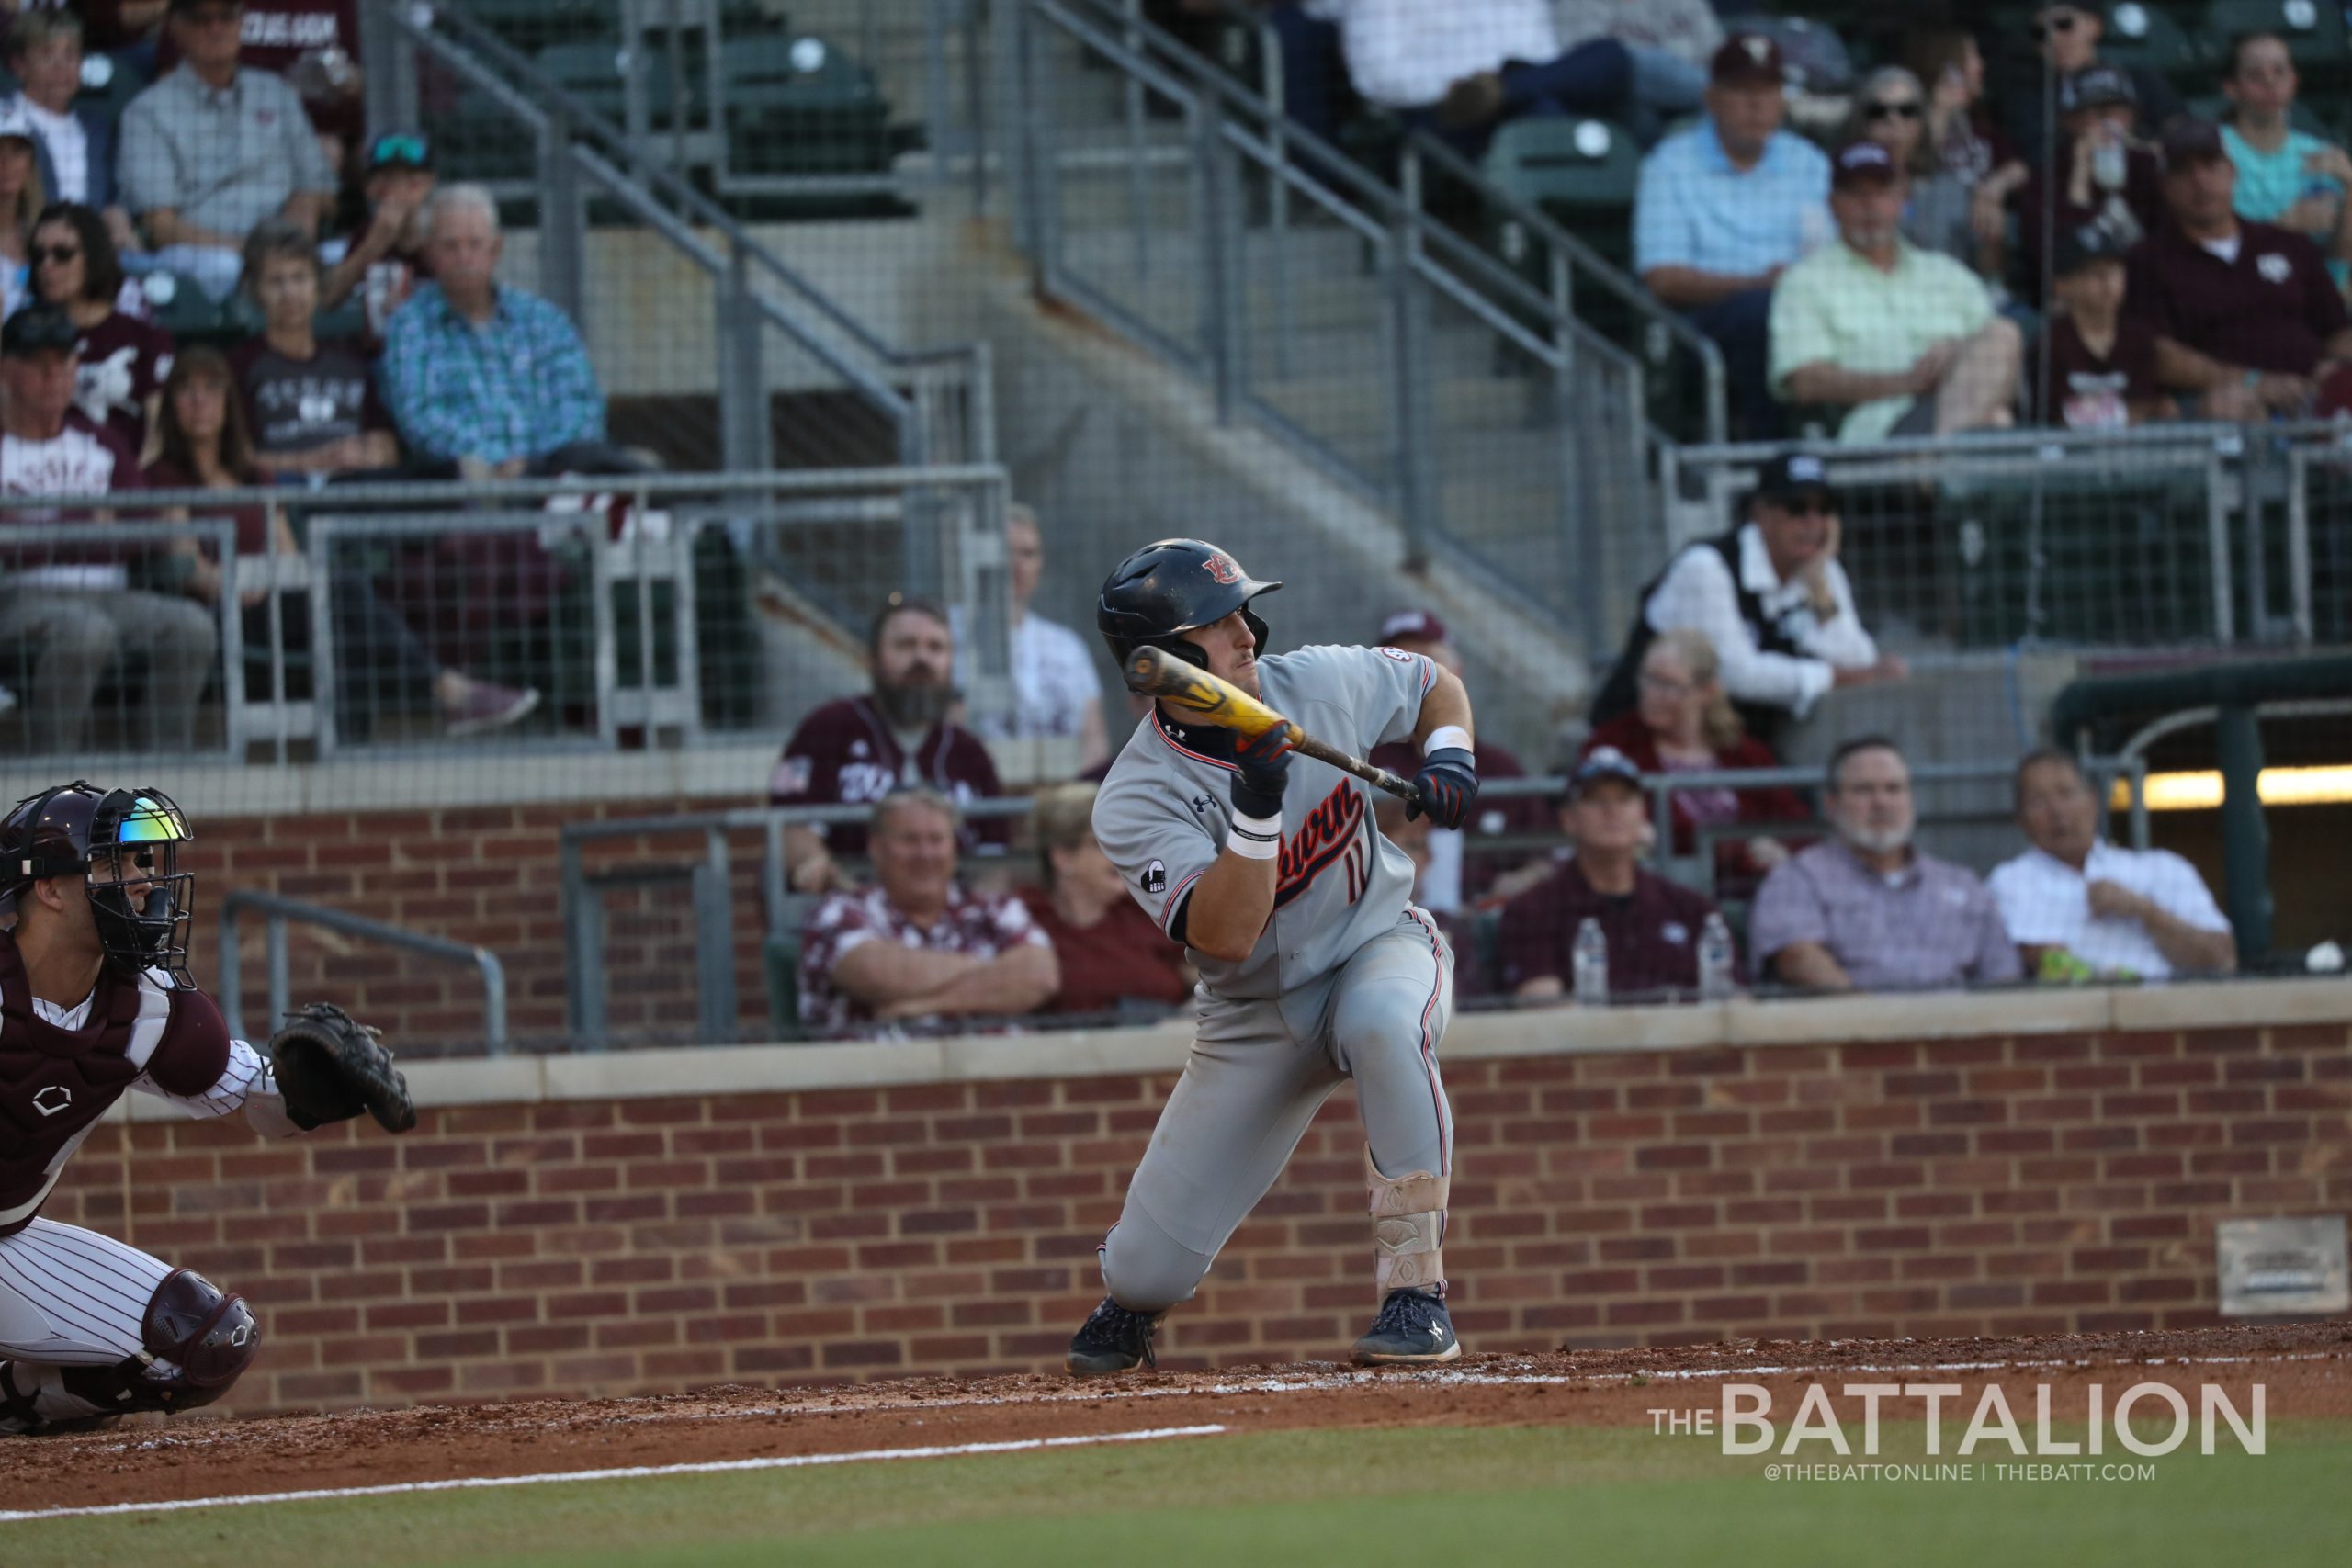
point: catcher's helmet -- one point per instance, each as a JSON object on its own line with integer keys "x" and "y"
{"x": 1174, "y": 586}
{"x": 137, "y": 835}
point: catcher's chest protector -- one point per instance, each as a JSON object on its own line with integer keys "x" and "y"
{"x": 55, "y": 1083}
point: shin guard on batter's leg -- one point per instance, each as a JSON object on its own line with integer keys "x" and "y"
{"x": 1408, "y": 1228}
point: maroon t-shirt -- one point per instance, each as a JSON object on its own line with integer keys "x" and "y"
{"x": 2143, "y": 198}
{"x": 2091, "y": 391}
{"x": 2272, "y": 309}
{"x": 277, "y": 33}
{"x": 1121, "y": 955}
{"x": 846, "y": 754}
{"x": 1734, "y": 869}
{"x": 124, "y": 363}
{"x": 1652, "y": 932}
{"x": 253, "y": 522}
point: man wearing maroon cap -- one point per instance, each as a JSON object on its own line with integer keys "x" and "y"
{"x": 2247, "y": 317}
{"x": 1904, "y": 340}
{"x": 1651, "y": 925}
{"x": 1723, "y": 209}
{"x": 1453, "y": 878}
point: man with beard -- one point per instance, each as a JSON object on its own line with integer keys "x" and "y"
{"x": 1868, "y": 911}
{"x": 855, "y": 750}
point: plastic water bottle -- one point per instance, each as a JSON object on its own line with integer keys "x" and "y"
{"x": 1715, "y": 959}
{"x": 1591, "y": 963}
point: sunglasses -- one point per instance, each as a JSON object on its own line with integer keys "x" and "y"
{"x": 397, "y": 149}
{"x": 2059, "y": 24}
{"x": 56, "y": 253}
{"x": 1807, "y": 505}
{"x": 1905, "y": 110}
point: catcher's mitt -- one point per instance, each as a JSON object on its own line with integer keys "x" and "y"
{"x": 330, "y": 1068}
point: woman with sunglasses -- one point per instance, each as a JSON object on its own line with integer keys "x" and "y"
{"x": 1891, "y": 110}
{"x": 124, "y": 359}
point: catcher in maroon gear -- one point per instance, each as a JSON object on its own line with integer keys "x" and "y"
{"x": 95, "y": 998}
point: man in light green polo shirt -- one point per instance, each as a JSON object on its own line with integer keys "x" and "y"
{"x": 1905, "y": 341}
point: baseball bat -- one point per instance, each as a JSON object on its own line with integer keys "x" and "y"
{"x": 1156, "y": 672}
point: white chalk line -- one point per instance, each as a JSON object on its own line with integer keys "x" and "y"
{"x": 632, "y": 1473}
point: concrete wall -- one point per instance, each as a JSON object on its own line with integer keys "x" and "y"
{"x": 653, "y": 1221}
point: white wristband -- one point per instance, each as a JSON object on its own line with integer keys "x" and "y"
{"x": 1447, "y": 736}
{"x": 1255, "y": 837}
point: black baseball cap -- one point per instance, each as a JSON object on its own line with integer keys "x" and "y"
{"x": 2084, "y": 247}
{"x": 1795, "y": 473}
{"x": 398, "y": 150}
{"x": 2188, "y": 142}
{"x": 2096, "y": 86}
{"x": 37, "y": 328}
{"x": 1604, "y": 763}
{"x": 1861, "y": 163}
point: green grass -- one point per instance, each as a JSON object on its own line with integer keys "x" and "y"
{"x": 1448, "y": 1498}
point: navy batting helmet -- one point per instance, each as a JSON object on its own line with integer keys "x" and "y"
{"x": 71, "y": 830}
{"x": 1171, "y": 587}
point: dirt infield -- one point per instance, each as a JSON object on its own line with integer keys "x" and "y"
{"x": 2305, "y": 1372}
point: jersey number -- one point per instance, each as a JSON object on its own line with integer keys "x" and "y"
{"x": 1358, "y": 865}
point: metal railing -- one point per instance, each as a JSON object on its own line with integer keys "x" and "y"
{"x": 277, "y": 913}
{"x": 936, "y": 400}
{"x": 1333, "y": 309}
{"x": 836, "y": 540}
{"x": 2160, "y": 535}
{"x": 708, "y": 874}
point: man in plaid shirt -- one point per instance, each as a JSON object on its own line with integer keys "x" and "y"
{"x": 916, "y": 952}
{"x": 483, "y": 375}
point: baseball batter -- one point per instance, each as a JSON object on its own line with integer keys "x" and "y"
{"x": 95, "y": 998}
{"x": 1315, "y": 965}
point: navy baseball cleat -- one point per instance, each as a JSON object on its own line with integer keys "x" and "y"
{"x": 1412, "y": 1328}
{"x": 1113, "y": 1339}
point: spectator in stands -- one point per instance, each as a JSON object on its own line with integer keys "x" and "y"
{"x": 1773, "y": 599}
{"x": 76, "y": 146}
{"x": 388, "y": 257}
{"x": 124, "y": 359}
{"x": 1939, "y": 212}
{"x": 1667, "y": 44}
{"x": 1723, "y": 209}
{"x": 1056, "y": 689}
{"x": 2285, "y": 176}
{"x": 917, "y": 950}
{"x": 2069, "y": 38}
{"x": 485, "y": 378}
{"x": 1960, "y": 136}
{"x": 74, "y": 610}
{"x": 1460, "y": 70}
{"x": 1651, "y": 925}
{"x": 1904, "y": 340}
{"x": 1112, "y": 957}
{"x": 2098, "y": 365}
{"x": 381, "y": 665}
{"x": 312, "y": 407}
{"x": 213, "y": 148}
{"x": 2112, "y": 181}
{"x": 2079, "y": 908}
{"x": 1683, "y": 722}
{"x": 2247, "y": 317}
{"x": 1458, "y": 876}
{"x": 20, "y": 203}
{"x": 856, "y": 750}
{"x": 1868, "y": 911}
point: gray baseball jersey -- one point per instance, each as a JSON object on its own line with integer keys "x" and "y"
{"x": 1164, "y": 809}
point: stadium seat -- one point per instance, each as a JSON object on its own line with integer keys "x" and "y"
{"x": 181, "y": 309}
{"x": 532, "y": 24}
{"x": 1582, "y": 172}
{"x": 2313, "y": 29}
{"x": 2140, "y": 34}
{"x": 801, "y": 105}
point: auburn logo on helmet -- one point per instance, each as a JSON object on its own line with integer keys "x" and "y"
{"x": 1222, "y": 567}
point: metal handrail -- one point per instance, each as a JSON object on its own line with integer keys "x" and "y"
{"x": 279, "y": 911}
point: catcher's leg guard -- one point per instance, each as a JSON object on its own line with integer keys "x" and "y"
{"x": 198, "y": 1340}
{"x": 1408, "y": 1227}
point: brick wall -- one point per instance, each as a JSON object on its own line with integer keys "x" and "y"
{"x": 484, "y": 874}
{"x": 1954, "y": 1187}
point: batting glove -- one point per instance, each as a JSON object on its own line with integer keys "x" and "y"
{"x": 1264, "y": 772}
{"x": 1446, "y": 787}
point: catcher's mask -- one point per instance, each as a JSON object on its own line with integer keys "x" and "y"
{"x": 126, "y": 844}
